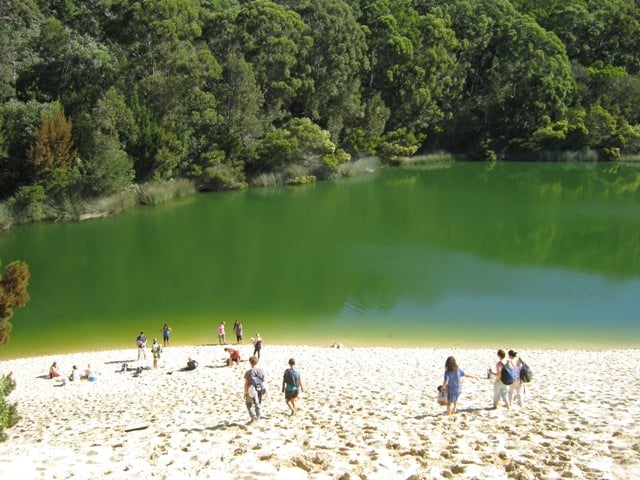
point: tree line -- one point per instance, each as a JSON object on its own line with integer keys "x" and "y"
{"x": 100, "y": 95}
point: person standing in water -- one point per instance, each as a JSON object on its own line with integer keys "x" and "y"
{"x": 221, "y": 335}
{"x": 237, "y": 328}
{"x": 166, "y": 333}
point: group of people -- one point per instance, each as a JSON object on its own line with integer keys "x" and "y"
{"x": 507, "y": 388}
{"x": 156, "y": 348}
{"x": 74, "y": 375}
{"x": 237, "y": 330}
{"x": 254, "y": 387}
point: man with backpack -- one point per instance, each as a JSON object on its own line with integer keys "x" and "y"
{"x": 254, "y": 388}
{"x": 291, "y": 385}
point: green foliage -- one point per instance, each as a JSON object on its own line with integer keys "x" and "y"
{"x": 333, "y": 160}
{"x": 302, "y": 180}
{"x": 29, "y": 204}
{"x": 155, "y": 193}
{"x": 97, "y": 94}
{"x": 8, "y": 411}
{"x": 13, "y": 294}
{"x": 299, "y": 141}
{"x": 397, "y": 145}
{"x": 219, "y": 173}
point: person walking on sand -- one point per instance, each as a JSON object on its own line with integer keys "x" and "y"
{"x": 254, "y": 388}
{"x": 500, "y": 390}
{"x": 515, "y": 389}
{"x": 221, "y": 335}
{"x": 237, "y": 328}
{"x": 291, "y": 385}
{"x": 166, "y": 333}
{"x": 257, "y": 345}
{"x": 156, "y": 351}
{"x": 451, "y": 383}
{"x": 141, "y": 342}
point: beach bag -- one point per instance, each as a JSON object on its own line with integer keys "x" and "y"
{"x": 507, "y": 376}
{"x": 257, "y": 383}
{"x": 442, "y": 395}
{"x": 525, "y": 373}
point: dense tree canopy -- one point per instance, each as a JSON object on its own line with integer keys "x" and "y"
{"x": 95, "y": 95}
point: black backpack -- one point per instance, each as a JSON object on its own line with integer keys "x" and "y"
{"x": 525, "y": 373}
{"x": 290, "y": 378}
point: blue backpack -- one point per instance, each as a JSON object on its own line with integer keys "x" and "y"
{"x": 507, "y": 376}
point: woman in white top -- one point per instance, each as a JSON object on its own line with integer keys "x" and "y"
{"x": 515, "y": 389}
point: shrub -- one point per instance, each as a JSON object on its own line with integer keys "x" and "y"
{"x": 8, "y": 411}
{"x": 270, "y": 179}
{"x": 29, "y": 204}
{"x": 359, "y": 167}
{"x": 155, "y": 193}
{"x": 6, "y": 219}
{"x": 302, "y": 180}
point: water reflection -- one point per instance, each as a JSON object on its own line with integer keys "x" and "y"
{"x": 546, "y": 249}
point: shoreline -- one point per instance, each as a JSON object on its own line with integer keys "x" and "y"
{"x": 345, "y": 342}
{"x": 365, "y": 411}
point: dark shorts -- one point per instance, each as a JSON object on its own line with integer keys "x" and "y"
{"x": 290, "y": 395}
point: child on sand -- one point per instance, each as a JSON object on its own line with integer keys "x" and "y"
{"x": 452, "y": 376}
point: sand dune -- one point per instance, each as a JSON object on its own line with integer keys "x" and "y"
{"x": 367, "y": 413}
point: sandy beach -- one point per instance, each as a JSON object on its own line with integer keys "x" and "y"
{"x": 367, "y": 413}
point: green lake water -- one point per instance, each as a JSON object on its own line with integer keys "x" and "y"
{"x": 504, "y": 255}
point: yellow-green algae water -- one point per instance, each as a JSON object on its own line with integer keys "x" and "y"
{"x": 516, "y": 255}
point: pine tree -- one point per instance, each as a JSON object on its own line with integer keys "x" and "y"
{"x": 53, "y": 147}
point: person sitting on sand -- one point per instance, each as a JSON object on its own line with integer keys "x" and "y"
{"x": 291, "y": 385}
{"x": 191, "y": 364}
{"x": 75, "y": 374}
{"x": 500, "y": 390}
{"x": 90, "y": 374}
{"x": 452, "y": 376}
{"x": 234, "y": 356}
{"x": 53, "y": 370}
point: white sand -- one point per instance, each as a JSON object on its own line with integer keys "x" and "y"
{"x": 366, "y": 413}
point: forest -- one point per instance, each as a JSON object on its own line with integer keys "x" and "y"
{"x": 109, "y": 103}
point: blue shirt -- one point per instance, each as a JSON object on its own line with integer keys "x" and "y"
{"x": 453, "y": 380}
